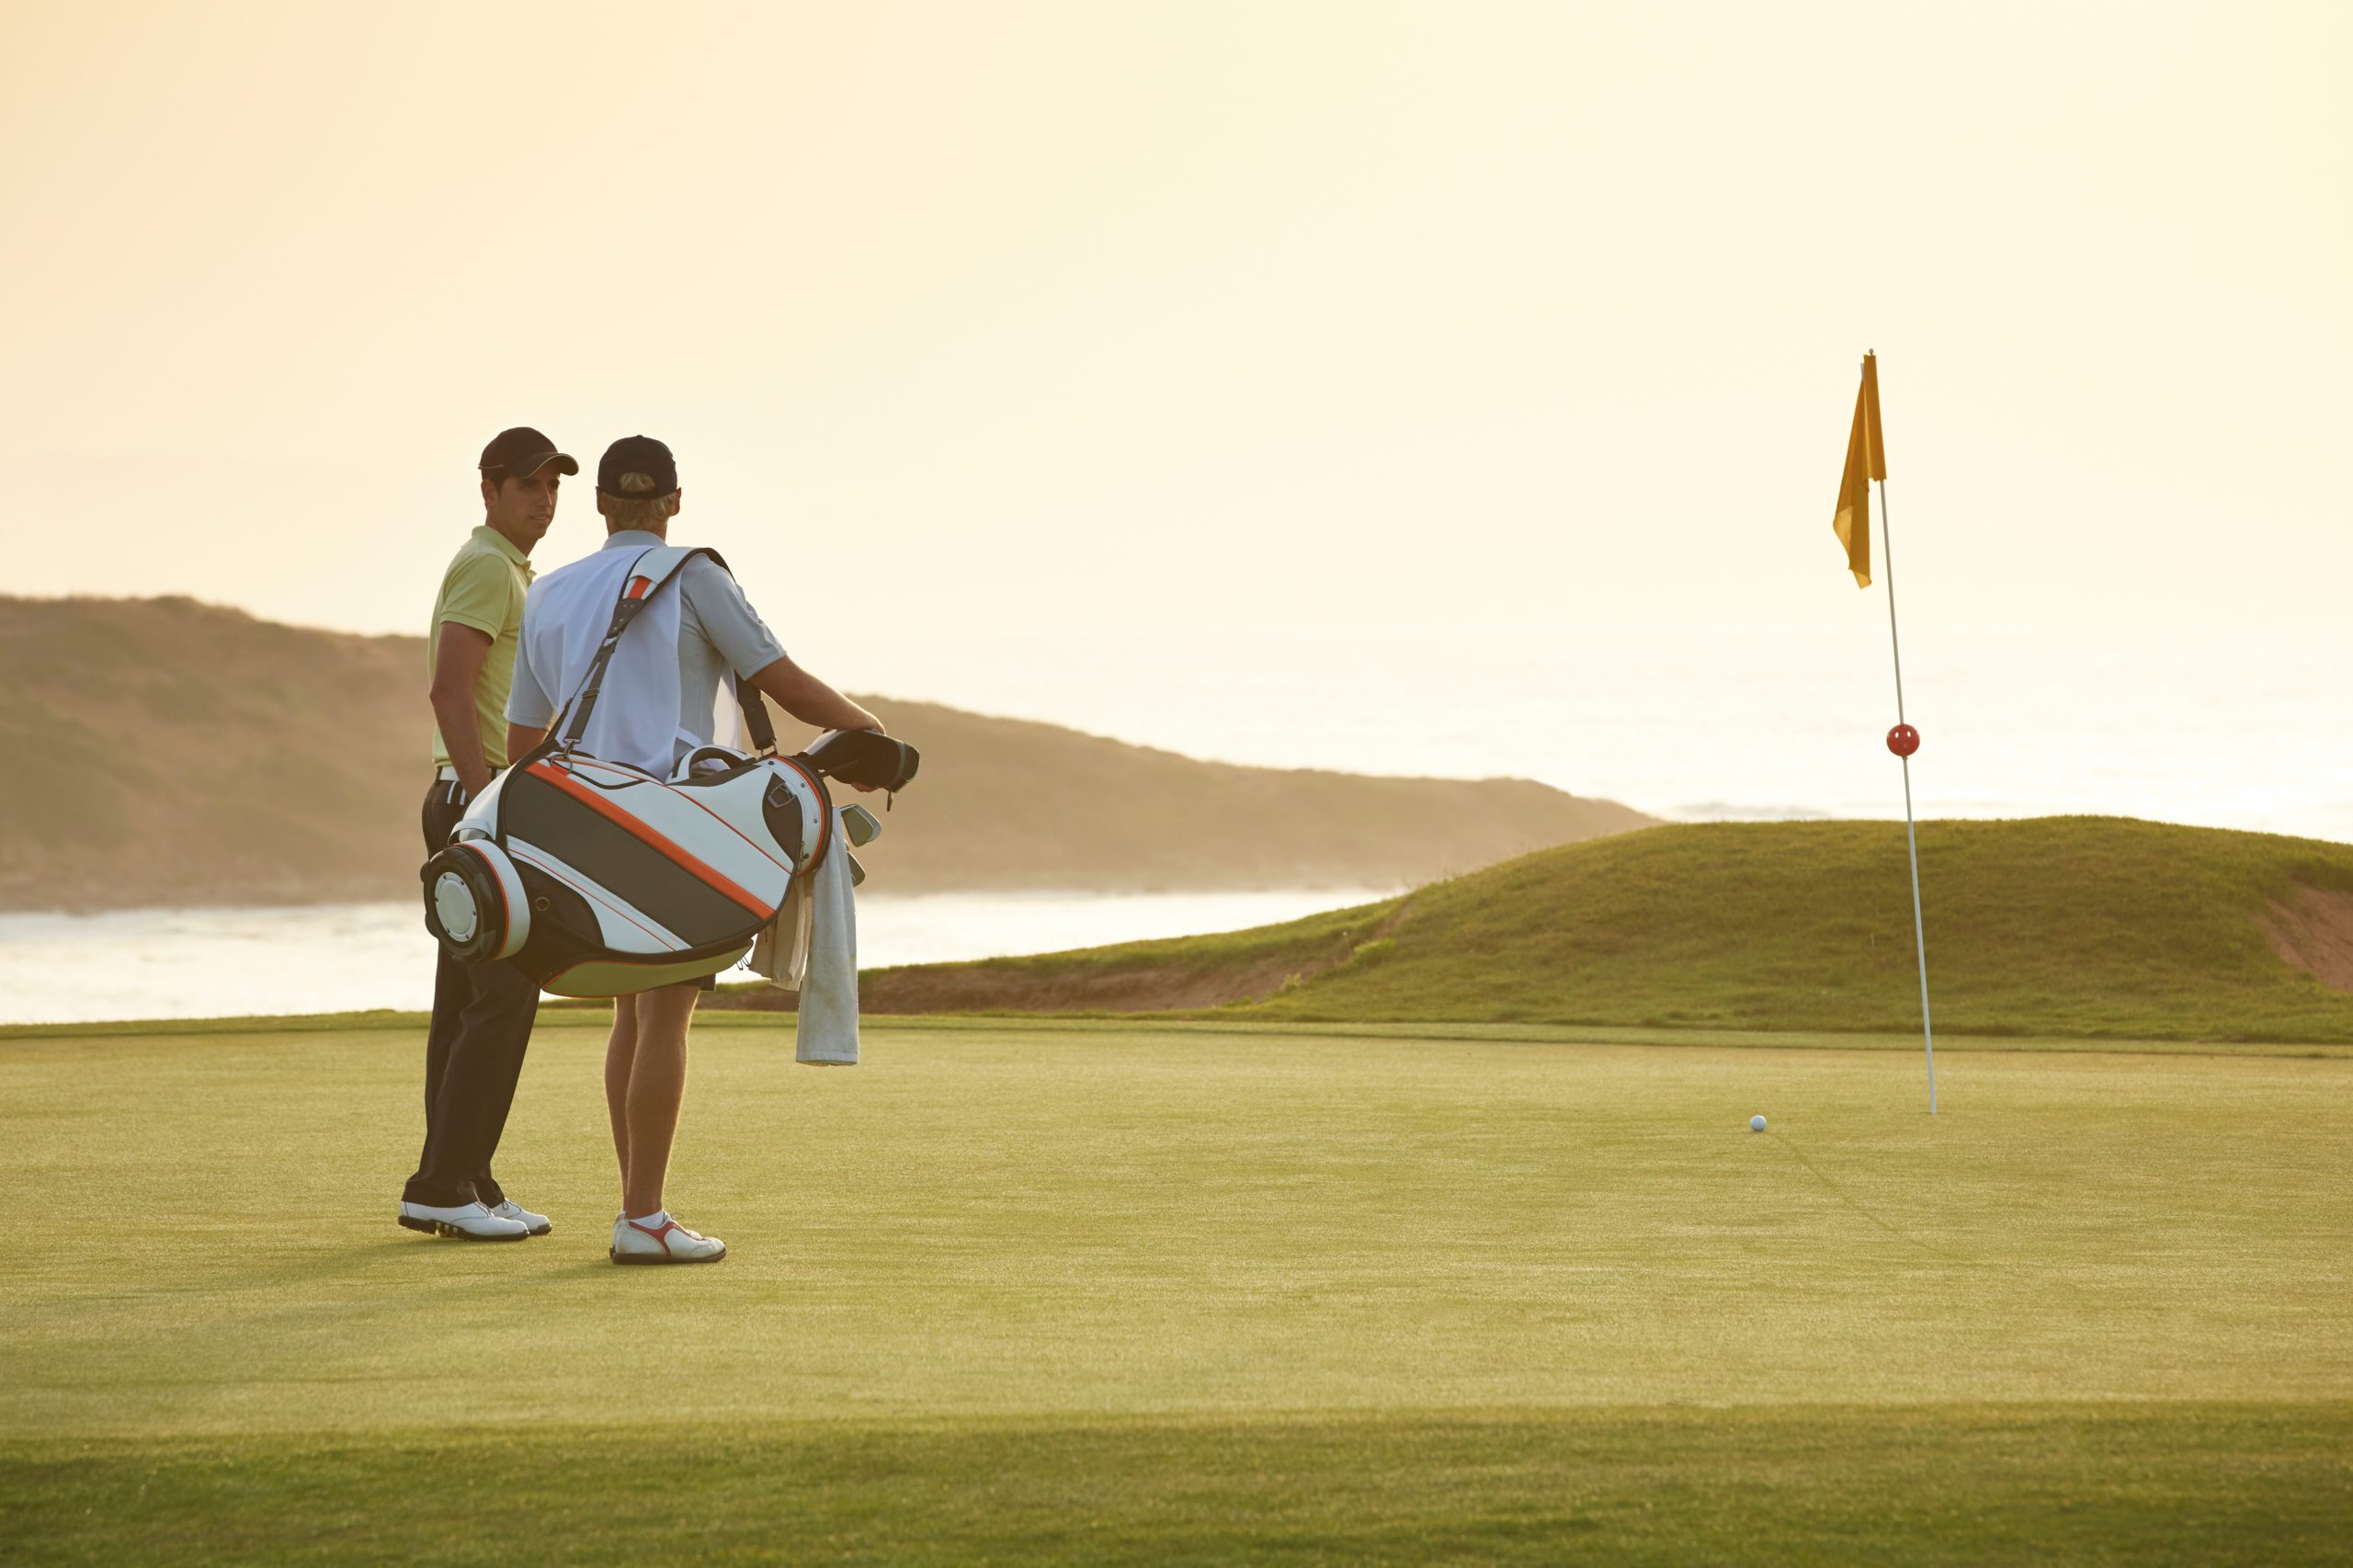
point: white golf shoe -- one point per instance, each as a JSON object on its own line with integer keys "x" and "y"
{"x": 664, "y": 1240}
{"x": 467, "y": 1221}
{"x": 533, "y": 1224}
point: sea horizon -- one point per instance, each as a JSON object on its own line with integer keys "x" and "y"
{"x": 2230, "y": 726}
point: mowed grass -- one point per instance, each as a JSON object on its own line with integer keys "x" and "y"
{"x": 1139, "y": 1294}
{"x": 2088, "y": 927}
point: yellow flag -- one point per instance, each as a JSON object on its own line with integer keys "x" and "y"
{"x": 1866, "y": 460}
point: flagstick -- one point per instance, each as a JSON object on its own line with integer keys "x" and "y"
{"x": 1911, "y": 835}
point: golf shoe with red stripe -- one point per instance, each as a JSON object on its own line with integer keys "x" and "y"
{"x": 660, "y": 1239}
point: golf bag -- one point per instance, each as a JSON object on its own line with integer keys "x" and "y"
{"x": 597, "y": 879}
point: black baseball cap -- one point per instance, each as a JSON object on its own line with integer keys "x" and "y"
{"x": 636, "y": 454}
{"x": 520, "y": 453}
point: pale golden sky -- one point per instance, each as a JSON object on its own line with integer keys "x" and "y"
{"x": 1353, "y": 314}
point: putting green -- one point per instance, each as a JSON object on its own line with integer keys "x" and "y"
{"x": 1125, "y": 1294}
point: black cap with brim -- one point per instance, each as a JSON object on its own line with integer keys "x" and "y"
{"x": 636, "y": 454}
{"x": 522, "y": 453}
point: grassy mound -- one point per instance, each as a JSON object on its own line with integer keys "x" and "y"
{"x": 2083, "y": 927}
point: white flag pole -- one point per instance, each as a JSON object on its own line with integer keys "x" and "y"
{"x": 1911, "y": 833}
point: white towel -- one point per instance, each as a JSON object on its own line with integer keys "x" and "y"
{"x": 811, "y": 947}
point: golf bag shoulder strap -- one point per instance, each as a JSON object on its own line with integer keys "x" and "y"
{"x": 655, "y": 569}
{"x": 638, "y": 588}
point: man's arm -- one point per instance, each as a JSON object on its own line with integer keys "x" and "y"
{"x": 733, "y": 628}
{"x": 530, "y": 712}
{"x": 523, "y": 739}
{"x": 809, "y": 699}
{"x": 458, "y": 655}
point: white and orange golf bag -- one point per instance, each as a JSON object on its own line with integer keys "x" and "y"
{"x": 597, "y": 878}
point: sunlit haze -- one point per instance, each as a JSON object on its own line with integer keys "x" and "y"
{"x": 1177, "y": 318}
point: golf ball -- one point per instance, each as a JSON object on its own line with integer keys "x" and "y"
{"x": 1756, "y": 1124}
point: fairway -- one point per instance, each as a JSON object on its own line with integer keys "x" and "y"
{"x": 1102, "y": 1292}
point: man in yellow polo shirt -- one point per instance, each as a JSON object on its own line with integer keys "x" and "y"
{"x": 482, "y": 1013}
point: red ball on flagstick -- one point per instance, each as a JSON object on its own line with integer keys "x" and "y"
{"x": 1903, "y": 739}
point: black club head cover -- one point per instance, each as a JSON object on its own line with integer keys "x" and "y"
{"x": 861, "y": 757}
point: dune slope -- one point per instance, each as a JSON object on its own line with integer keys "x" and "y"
{"x": 2085, "y": 927}
{"x": 165, "y": 752}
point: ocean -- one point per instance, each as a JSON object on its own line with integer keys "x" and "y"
{"x": 208, "y": 963}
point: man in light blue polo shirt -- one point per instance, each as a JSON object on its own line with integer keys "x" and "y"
{"x": 720, "y": 641}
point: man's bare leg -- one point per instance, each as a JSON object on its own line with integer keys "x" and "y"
{"x": 620, "y": 1051}
{"x": 657, "y": 1084}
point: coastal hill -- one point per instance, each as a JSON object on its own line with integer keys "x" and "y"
{"x": 167, "y": 752}
{"x": 2086, "y": 927}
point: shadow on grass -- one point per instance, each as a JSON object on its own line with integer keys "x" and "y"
{"x": 2141, "y": 1483}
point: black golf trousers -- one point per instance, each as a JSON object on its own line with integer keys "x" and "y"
{"x": 481, "y": 1022}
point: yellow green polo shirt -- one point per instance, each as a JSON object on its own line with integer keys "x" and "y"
{"x": 483, "y": 588}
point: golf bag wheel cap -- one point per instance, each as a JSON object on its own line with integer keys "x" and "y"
{"x": 475, "y": 901}
{"x": 454, "y": 903}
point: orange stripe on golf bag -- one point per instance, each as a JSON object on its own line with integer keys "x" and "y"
{"x": 595, "y": 801}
